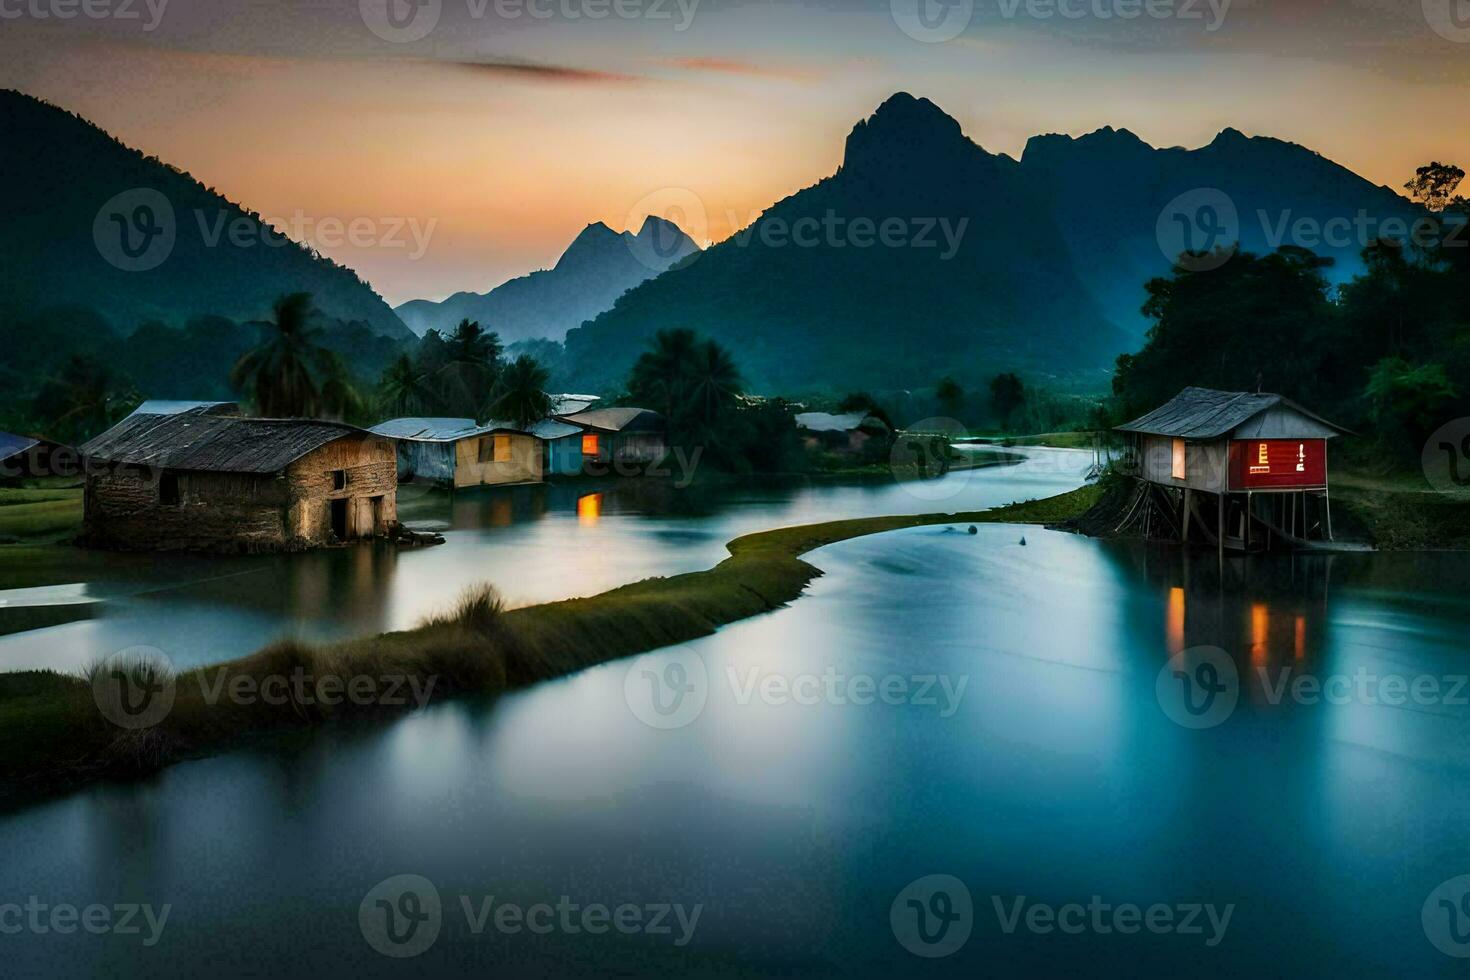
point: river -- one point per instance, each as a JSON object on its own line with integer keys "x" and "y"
{"x": 974, "y": 745}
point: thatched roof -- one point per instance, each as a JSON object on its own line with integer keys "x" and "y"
{"x": 1205, "y": 413}
{"x": 196, "y": 440}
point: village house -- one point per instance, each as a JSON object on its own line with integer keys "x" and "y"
{"x": 1262, "y": 457}
{"x": 561, "y": 447}
{"x": 620, "y": 439}
{"x": 849, "y": 434}
{"x": 31, "y": 457}
{"x": 457, "y": 453}
{"x": 193, "y": 480}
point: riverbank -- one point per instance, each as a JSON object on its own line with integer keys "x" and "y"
{"x": 53, "y": 736}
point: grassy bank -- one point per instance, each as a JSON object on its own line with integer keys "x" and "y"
{"x": 53, "y": 735}
{"x": 39, "y": 515}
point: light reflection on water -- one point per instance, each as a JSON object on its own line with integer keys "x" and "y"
{"x": 1058, "y": 777}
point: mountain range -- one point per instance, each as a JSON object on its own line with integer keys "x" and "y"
{"x": 1047, "y": 273}
{"x": 598, "y": 267}
{"x": 92, "y": 223}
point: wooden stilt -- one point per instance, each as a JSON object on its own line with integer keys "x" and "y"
{"x": 1327, "y": 509}
{"x": 1220, "y": 524}
{"x": 1187, "y": 511}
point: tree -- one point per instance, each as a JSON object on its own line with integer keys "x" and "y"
{"x": 83, "y": 399}
{"x": 1434, "y": 185}
{"x": 660, "y": 370}
{"x": 1406, "y": 401}
{"x": 403, "y": 389}
{"x": 713, "y": 383}
{"x": 950, "y": 396}
{"x": 465, "y": 382}
{"x": 284, "y": 374}
{"x": 1007, "y": 394}
{"x": 520, "y": 393}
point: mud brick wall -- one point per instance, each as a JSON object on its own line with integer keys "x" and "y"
{"x": 240, "y": 512}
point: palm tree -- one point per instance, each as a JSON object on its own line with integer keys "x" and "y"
{"x": 280, "y": 375}
{"x": 520, "y": 393}
{"x": 340, "y": 398}
{"x": 402, "y": 389}
{"x": 466, "y": 381}
{"x": 659, "y": 373}
{"x": 83, "y": 400}
{"x": 712, "y": 382}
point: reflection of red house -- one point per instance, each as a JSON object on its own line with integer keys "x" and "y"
{"x": 1261, "y": 456}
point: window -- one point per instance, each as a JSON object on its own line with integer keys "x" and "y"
{"x": 1177, "y": 469}
{"x": 589, "y": 444}
{"x": 168, "y": 490}
{"x": 502, "y": 449}
{"x": 339, "y": 479}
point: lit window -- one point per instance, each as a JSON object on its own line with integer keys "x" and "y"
{"x": 1177, "y": 470}
{"x": 502, "y": 449}
{"x": 589, "y": 445}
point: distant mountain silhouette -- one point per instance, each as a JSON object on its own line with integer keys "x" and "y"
{"x": 1109, "y": 189}
{"x": 1048, "y": 275}
{"x": 90, "y": 222}
{"x": 598, "y": 267}
{"x": 973, "y": 275}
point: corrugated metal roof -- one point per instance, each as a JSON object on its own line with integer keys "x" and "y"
{"x": 168, "y": 406}
{"x": 1205, "y": 413}
{"x": 571, "y": 404}
{"x": 617, "y": 420}
{"x": 196, "y": 440}
{"x": 12, "y": 444}
{"x": 552, "y": 429}
{"x": 827, "y": 422}
{"x": 439, "y": 430}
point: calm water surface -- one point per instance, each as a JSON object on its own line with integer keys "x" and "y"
{"x": 1047, "y": 771}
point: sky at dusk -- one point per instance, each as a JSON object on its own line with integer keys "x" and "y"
{"x": 511, "y": 124}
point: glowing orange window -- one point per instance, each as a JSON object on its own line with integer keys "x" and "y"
{"x": 1176, "y": 468}
{"x": 589, "y": 445}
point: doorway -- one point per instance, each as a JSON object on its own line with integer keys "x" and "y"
{"x": 339, "y": 518}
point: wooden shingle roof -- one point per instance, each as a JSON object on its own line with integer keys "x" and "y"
{"x": 1205, "y": 413}
{"x": 199, "y": 441}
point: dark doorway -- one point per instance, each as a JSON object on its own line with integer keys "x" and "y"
{"x": 339, "y": 518}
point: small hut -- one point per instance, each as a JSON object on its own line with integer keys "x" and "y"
{"x": 457, "y": 453}
{"x": 620, "y": 438}
{"x": 1262, "y": 457}
{"x": 848, "y": 434}
{"x": 561, "y": 447}
{"x": 32, "y": 457}
{"x": 202, "y": 482}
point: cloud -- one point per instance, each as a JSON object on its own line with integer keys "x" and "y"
{"x": 732, "y": 66}
{"x": 533, "y": 71}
